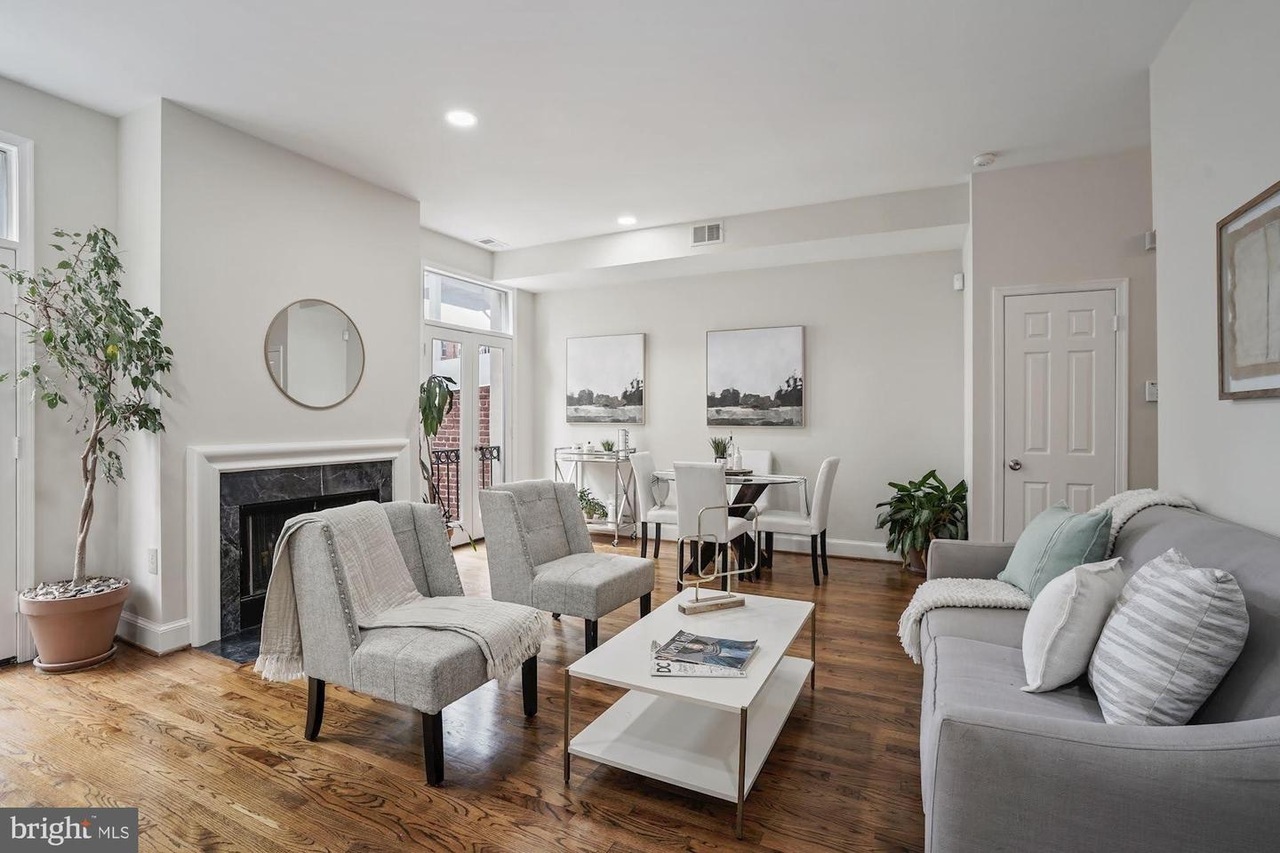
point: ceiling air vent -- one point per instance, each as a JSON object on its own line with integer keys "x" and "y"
{"x": 708, "y": 233}
{"x": 490, "y": 243}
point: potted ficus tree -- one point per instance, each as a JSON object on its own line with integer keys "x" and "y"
{"x": 98, "y": 351}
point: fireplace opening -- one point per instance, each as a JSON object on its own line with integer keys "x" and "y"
{"x": 260, "y": 527}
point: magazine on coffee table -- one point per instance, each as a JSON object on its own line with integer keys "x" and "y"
{"x": 676, "y": 668}
{"x": 714, "y": 651}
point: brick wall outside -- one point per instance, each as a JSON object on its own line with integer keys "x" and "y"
{"x": 449, "y": 438}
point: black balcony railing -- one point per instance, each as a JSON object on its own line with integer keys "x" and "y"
{"x": 446, "y": 472}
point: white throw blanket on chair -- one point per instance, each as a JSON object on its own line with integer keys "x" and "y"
{"x": 955, "y": 592}
{"x": 368, "y": 561}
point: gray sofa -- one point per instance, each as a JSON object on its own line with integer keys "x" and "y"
{"x": 1006, "y": 770}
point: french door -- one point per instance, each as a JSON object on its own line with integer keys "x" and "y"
{"x": 471, "y": 451}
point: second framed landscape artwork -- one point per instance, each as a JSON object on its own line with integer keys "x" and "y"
{"x": 755, "y": 377}
{"x": 604, "y": 379}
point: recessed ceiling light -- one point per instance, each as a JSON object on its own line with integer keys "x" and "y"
{"x": 460, "y": 118}
{"x": 626, "y": 219}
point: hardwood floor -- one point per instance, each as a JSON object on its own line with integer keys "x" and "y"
{"x": 214, "y": 757}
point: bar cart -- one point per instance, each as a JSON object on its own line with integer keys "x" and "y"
{"x": 570, "y": 466}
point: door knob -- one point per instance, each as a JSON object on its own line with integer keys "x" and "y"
{"x": 1015, "y": 465}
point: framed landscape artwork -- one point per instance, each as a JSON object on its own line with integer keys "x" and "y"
{"x": 1249, "y": 299}
{"x": 604, "y": 380}
{"x": 755, "y": 377}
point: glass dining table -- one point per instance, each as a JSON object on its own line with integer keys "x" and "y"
{"x": 751, "y": 487}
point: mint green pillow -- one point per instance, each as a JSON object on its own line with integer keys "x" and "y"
{"x": 1056, "y": 541}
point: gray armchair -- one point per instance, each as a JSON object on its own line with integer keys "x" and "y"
{"x": 540, "y": 554}
{"x": 423, "y": 668}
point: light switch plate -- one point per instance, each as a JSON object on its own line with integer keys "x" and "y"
{"x": 1153, "y": 392}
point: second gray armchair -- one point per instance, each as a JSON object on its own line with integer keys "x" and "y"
{"x": 540, "y": 554}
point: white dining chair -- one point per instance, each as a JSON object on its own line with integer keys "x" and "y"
{"x": 703, "y": 515}
{"x": 812, "y": 524}
{"x": 649, "y": 508}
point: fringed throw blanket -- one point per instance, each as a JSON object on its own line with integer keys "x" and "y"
{"x": 954, "y": 592}
{"x": 1126, "y": 505}
{"x": 368, "y": 562}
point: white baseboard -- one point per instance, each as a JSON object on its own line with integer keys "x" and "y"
{"x": 858, "y": 549}
{"x": 153, "y": 636}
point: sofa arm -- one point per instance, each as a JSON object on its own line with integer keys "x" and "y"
{"x": 959, "y": 558}
{"x": 1012, "y": 781}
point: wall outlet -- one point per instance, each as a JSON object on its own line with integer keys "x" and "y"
{"x": 1152, "y": 390}
{"x": 153, "y": 561}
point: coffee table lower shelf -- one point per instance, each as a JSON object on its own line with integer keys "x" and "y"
{"x": 691, "y": 745}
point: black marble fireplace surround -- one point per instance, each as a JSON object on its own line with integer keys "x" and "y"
{"x": 268, "y": 485}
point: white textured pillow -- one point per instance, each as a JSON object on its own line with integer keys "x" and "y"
{"x": 1174, "y": 633}
{"x": 1065, "y": 621}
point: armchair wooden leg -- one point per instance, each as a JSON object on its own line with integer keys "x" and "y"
{"x": 593, "y": 635}
{"x": 822, "y": 538}
{"x": 529, "y": 686}
{"x": 768, "y": 550}
{"x": 644, "y": 539}
{"x": 433, "y": 747}
{"x": 315, "y": 707}
{"x": 813, "y": 555}
{"x": 646, "y": 602}
{"x": 657, "y": 540}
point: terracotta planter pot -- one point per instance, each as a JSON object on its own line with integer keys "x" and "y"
{"x": 916, "y": 561}
{"x": 74, "y": 633}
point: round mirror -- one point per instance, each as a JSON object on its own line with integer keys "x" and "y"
{"x": 314, "y": 353}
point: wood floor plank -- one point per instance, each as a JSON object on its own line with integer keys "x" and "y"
{"x": 215, "y": 759}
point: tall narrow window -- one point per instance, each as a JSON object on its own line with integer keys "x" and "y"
{"x": 459, "y": 302}
{"x": 8, "y": 193}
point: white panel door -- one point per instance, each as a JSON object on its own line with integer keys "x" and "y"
{"x": 8, "y": 469}
{"x": 1059, "y": 403}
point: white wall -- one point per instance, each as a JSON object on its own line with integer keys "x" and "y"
{"x": 75, "y": 189}
{"x": 444, "y": 253}
{"x": 1058, "y": 223}
{"x": 883, "y": 379}
{"x": 248, "y": 228}
{"x": 1214, "y": 132}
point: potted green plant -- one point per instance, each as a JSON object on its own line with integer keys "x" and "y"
{"x": 435, "y": 402}
{"x": 921, "y": 511}
{"x": 607, "y": 445}
{"x": 720, "y": 447}
{"x": 96, "y": 349}
{"x": 591, "y": 507}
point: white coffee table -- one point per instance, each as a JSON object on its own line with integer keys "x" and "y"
{"x": 694, "y": 732}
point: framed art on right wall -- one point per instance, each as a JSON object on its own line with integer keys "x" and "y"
{"x": 1249, "y": 299}
{"x": 755, "y": 377}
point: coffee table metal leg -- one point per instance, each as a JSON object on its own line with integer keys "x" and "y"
{"x": 742, "y": 770}
{"x": 813, "y": 649}
{"x": 567, "y": 678}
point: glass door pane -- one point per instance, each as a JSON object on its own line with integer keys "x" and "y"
{"x": 446, "y": 448}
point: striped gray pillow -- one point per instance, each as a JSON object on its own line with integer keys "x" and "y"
{"x": 1171, "y": 637}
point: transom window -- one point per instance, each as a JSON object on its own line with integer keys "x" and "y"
{"x": 459, "y": 302}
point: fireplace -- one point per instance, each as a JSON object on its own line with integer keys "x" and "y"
{"x": 260, "y": 526}
{"x": 254, "y": 505}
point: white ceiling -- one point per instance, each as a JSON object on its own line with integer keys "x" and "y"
{"x": 667, "y": 109}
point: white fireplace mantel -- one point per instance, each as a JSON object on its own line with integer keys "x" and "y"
{"x": 205, "y": 466}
